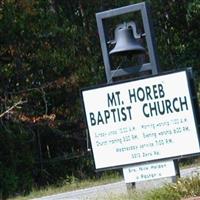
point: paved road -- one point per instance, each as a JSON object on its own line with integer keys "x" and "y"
{"x": 114, "y": 188}
{"x": 89, "y": 193}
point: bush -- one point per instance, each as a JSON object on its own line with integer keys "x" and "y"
{"x": 16, "y": 164}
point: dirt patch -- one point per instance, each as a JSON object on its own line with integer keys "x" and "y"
{"x": 192, "y": 198}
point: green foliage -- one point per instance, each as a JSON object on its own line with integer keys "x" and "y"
{"x": 8, "y": 182}
{"x": 16, "y": 160}
{"x": 162, "y": 194}
{"x": 183, "y": 188}
{"x": 176, "y": 28}
{"x": 188, "y": 187}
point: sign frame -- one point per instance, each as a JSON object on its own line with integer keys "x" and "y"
{"x": 193, "y": 100}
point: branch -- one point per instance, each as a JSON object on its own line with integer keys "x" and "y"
{"x": 12, "y": 107}
{"x": 45, "y": 100}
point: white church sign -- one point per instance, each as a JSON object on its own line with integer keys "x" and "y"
{"x": 141, "y": 120}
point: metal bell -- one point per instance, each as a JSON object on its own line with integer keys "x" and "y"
{"x": 125, "y": 41}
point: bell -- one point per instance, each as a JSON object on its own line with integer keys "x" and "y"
{"x": 126, "y": 42}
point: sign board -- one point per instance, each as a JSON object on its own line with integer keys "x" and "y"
{"x": 141, "y": 120}
{"x": 149, "y": 171}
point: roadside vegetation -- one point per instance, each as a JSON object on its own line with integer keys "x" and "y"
{"x": 71, "y": 184}
{"x": 182, "y": 189}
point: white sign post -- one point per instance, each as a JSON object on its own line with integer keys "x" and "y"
{"x": 142, "y": 120}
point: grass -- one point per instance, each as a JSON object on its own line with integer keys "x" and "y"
{"x": 74, "y": 184}
{"x": 190, "y": 163}
{"x": 185, "y": 187}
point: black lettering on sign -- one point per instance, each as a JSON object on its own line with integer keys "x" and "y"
{"x": 113, "y": 99}
{"x": 113, "y": 115}
{"x": 167, "y": 106}
{"x": 146, "y": 93}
